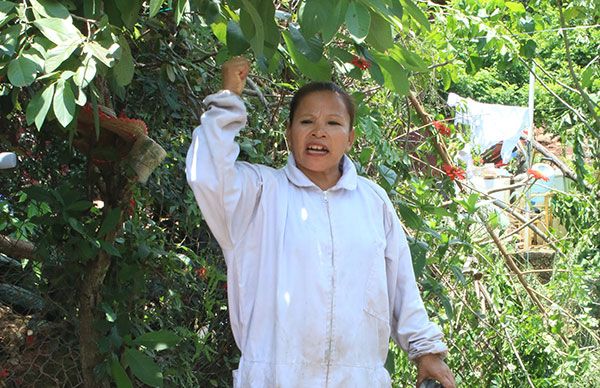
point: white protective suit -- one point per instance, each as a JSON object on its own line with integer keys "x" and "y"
{"x": 317, "y": 280}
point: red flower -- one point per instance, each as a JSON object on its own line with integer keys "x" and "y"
{"x": 442, "y": 128}
{"x": 454, "y": 172}
{"x": 4, "y": 373}
{"x": 499, "y": 164}
{"x": 201, "y": 273}
{"x": 537, "y": 175}
{"x": 361, "y": 62}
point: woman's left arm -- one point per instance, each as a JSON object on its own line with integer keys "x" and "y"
{"x": 411, "y": 328}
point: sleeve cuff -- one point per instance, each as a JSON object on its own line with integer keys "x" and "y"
{"x": 418, "y": 350}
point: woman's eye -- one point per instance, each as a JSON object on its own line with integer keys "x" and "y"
{"x": 333, "y": 123}
{"x": 305, "y": 121}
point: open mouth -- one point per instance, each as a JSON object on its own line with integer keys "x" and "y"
{"x": 315, "y": 149}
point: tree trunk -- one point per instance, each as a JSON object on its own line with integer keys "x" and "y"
{"x": 90, "y": 297}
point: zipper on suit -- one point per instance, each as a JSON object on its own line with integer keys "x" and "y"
{"x": 330, "y": 333}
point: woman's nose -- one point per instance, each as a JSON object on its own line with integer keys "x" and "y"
{"x": 318, "y": 131}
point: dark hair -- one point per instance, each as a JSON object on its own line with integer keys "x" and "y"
{"x": 322, "y": 87}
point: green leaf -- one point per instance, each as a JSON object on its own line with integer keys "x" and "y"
{"x": 158, "y": 340}
{"x": 528, "y": 49}
{"x": 236, "y": 42}
{"x": 106, "y": 56}
{"x": 515, "y": 7}
{"x": 49, "y": 9}
{"x": 5, "y": 12}
{"x": 110, "y": 222}
{"x": 143, "y": 367}
{"x": 59, "y": 31}
{"x": 124, "y": 69}
{"x": 322, "y": 16}
{"x": 390, "y": 365}
{"x": 311, "y": 48}
{"x": 86, "y": 72}
{"x": 130, "y": 10}
{"x": 77, "y": 226}
{"x": 57, "y": 55}
{"x": 396, "y": 8}
{"x": 9, "y": 39}
{"x": 110, "y": 249}
{"x": 252, "y": 26}
{"x": 408, "y": 59}
{"x": 109, "y": 312}
{"x": 341, "y": 54}
{"x": 219, "y": 29}
{"x": 180, "y": 10}
{"x": 38, "y": 107}
{"x": 389, "y": 175}
{"x": 418, "y": 252}
{"x": 395, "y": 76}
{"x": 79, "y": 206}
{"x": 91, "y": 9}
{"x": 155, "y": 7}
{"x": 587, "y": 77}
{"x": 35, "y": 56}
{"x": 81, "y": 98}
{"x": 119, "y": 375}
{"x": 447, "y": 306}
{"x": 6, "y": 7}
{"x": 64, "y": 103}
{"x": 409, "y": 217}
{"x": 319, "y": 71}
{"x": 380, "y": 33}
{"x": 22, "y": 71}
{"x": 415, "y": 13}
{"x": 358, "y": 21}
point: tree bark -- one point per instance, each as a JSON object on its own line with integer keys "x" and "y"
{"x": 90, "y": 297}
{"x": 18, "y": 249}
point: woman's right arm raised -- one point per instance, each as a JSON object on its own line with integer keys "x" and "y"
{"x": 227, "y": 192}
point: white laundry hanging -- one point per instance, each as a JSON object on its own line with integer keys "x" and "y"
{"x": 491, "y": 123}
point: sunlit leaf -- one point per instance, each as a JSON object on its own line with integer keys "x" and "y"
{"x": 358, "y": 20}
{"x": 38, "y": 107}
{"x": 155, "y": 7}
{"x": 57, "y": 55}
{"x": 158, "y": 340}
{"x": 58, "y": 31}
{"x": 64, "y": 103}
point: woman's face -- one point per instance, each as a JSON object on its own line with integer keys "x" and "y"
{"x": 319, "y": 136}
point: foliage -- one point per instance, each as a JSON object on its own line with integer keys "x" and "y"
{"x": 163, "y": 316}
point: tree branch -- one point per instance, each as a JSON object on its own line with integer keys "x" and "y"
{"x": 18, "y": 249}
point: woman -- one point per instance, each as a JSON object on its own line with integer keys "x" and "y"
{"x": 318, "y": 268}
